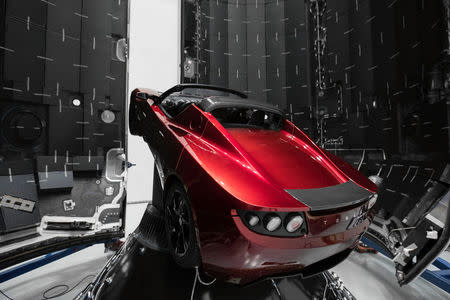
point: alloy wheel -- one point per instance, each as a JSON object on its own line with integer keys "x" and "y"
{"x": 177, "y": 215}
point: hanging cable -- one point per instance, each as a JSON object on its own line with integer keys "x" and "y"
{"x": 197, "y": 277}
{"x": 326, "y": 287}
{"x": 66, "y": 288}
{"x": 275, "y": 286}
{"x": 7, "y": 297}
{"x": 193, "y": 286}
{"x": 200, "y": 279}
{"x": 399, "y": 229}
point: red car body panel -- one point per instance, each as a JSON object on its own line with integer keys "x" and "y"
{"x": 225, "y": 170}
{"x": 288, "y": 167}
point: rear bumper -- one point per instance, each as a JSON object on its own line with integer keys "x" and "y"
{"x": 255, "y": 275}
{"x": 246, "y": 256}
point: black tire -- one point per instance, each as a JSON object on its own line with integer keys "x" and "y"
{"x": 180, "y": 228}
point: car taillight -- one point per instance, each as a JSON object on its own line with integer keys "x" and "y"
{"x": 293, "y": 222}
{"x": 272, "y": 222}
{"x": 280, "y": 224}
{"x": 252, "y": 219}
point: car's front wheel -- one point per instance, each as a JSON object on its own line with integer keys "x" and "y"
{"x": 180, "y": 228}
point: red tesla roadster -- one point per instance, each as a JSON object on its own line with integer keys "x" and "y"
{"x": 246, "y": 194}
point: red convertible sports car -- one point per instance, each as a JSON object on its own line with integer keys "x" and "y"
{"x": 246, "y": 194}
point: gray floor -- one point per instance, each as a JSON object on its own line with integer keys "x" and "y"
{"x": 372, "y": 276}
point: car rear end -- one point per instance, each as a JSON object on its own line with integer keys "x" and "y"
{"x": 291, "y": 209}
{"x": 260, "y": 249}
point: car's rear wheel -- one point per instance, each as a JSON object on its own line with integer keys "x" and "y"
{"x": 180, "y": 228}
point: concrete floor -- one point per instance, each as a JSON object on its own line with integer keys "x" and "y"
{"x": 372, "y": 276}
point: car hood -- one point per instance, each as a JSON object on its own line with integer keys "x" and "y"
{"x": 290, "y": 162}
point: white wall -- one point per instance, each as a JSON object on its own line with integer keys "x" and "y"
{"x": 154, "y": 53}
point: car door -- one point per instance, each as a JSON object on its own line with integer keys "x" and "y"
{"x": 63, "y": 80}
{"x": 160, "y": 130}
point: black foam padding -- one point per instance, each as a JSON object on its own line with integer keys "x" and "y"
{"x": 88, "y": 163}
{"x": 55, "y": 180}
{"x": 11, "y": 219}
{"x": 53, "y": 163}
{"x": 337, "y": 196}
{"x": 86, "y": 194}
{"x": 16, "y": 167}
{"x": 54, "y": 172}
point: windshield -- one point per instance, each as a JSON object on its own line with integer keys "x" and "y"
{"x": 204, "y": 92}
{"x": 245, "y": 117}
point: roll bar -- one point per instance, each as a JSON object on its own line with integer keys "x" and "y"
{"x": 180, "y": 87}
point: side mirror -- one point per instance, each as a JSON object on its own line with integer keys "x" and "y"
{"x": 142, "y": 96}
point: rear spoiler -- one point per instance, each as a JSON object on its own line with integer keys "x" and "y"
{"x": 180, "y": 87}
{"x": 332, "y": 197}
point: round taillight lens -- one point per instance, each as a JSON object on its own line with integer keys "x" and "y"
{"x": 272, "y": 222}
{"x": 293, "y": 223}
{"x": 252, "y": 220}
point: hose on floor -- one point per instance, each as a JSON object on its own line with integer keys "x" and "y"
{"x": 64, "y": 292}
{"x": 7, "y": 297}
{"x": 66, "y": 288}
